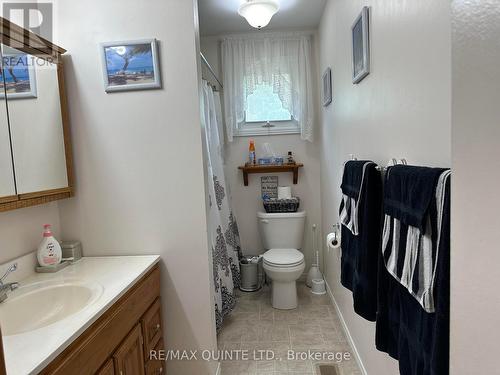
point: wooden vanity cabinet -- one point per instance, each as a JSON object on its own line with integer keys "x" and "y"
{"x": 119, "y": 342}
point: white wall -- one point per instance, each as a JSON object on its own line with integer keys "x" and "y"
{"x": 402, "y": 109}
{"x": 138, "y": 159}
{"x": 475, "y": 301}
{"x": 21, "y": 230}
{"x": 247, "y": 199}
{"x": 210, "y": 47}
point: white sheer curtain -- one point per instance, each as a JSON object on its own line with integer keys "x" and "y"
{"x": 282, "y": 61}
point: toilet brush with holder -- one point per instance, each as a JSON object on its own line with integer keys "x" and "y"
{"x": 314, "y": 272}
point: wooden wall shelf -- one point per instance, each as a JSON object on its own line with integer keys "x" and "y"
{"x": 294, "y": 168}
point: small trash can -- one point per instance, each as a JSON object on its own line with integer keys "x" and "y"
{"x": 250, "y": 274}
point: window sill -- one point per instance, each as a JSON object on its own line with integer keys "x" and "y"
{"x": 276, "y": 130}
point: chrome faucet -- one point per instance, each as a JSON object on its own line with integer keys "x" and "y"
{"x": 7, "y": 287}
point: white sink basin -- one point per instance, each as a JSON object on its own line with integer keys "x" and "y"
{"x": 40, "y": 304}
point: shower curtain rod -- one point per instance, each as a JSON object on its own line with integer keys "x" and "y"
{"x": 205, "y": 61}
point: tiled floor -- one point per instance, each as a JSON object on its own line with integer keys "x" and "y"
{"x": 255, "y": 327}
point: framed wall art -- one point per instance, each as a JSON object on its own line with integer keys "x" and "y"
{"x": 327, "y": 87}
{"x": 130, "y": 65}
{"x": 361, "y": 46}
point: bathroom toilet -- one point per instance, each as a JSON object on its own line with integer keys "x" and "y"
{"x": 282, "y": 235}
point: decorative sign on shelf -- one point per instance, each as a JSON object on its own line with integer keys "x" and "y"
{"x": 269, "y": 186}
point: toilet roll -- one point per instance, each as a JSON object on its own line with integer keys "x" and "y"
{"x": 284, "y": 192}
{"x": 333, "y": 241}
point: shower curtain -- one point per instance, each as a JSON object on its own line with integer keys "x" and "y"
{"x": 223, "y": 235}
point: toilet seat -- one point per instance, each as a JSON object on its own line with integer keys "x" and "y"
{"x": 283, "y": 258}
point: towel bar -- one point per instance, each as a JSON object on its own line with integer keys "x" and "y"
{"x": 394, "y": 161}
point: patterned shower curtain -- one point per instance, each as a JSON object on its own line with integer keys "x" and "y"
{"x": 223, "y": 235}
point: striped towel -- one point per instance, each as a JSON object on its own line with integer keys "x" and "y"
{"x": 351, "y": 195}
{"x": 411, "y": 255}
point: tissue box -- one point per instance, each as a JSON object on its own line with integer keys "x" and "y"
{"x": 265, "y": 161}
{"x": 72, "y": 249}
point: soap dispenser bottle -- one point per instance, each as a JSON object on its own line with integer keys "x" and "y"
{"x": 49, "y": 251}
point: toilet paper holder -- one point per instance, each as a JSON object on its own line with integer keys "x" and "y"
{"x": 336, "y": 231}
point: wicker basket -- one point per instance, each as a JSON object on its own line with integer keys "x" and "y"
{"x": 275, "y": 205}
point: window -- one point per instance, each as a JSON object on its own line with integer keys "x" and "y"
{"x": 258, "y": 72}
{"x": 264, "y": 106}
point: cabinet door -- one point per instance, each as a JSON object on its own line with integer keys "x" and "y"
{"x": 7, "y": 185}
{"x": 129, "y": 357}
{"x": 35, "y": 121}
{"x": 108, "y": 368}
{"x": 157, "y": 366}
{"x": 152, "y": 327}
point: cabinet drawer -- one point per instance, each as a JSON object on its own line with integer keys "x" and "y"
{"x": 152, "y": 327}
{"x": 157, "y": 366}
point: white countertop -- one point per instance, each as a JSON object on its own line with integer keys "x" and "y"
{"x": 30, "y": 352}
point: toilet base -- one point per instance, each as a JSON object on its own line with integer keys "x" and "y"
{"x": 284, "y": 288}
{"x": 284, "y": 295}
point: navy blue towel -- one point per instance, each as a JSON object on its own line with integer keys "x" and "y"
{"x": 408, "y": 193}
{"x": 353, "y": 176}
{"x": 417, "y": 339}
{"x": 360, "y": 252}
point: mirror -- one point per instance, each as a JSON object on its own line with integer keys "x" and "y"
{"x": 7, "y": 184}
{"x": 35, "y": 122}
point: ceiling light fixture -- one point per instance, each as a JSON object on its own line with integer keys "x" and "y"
{"x": 258, "y": 13}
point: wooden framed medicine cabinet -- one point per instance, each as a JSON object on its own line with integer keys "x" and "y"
{"x": 35, "y": 145}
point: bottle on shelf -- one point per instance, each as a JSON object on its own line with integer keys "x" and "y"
{"x": 252, "y": 160}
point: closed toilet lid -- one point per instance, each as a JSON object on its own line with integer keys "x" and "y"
{"x": 283, "y": 257}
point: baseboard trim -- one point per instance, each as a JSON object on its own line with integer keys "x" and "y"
{"x": 357, "y": 357}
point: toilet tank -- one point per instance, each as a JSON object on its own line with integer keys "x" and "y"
{"x": 282, "y": 230}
